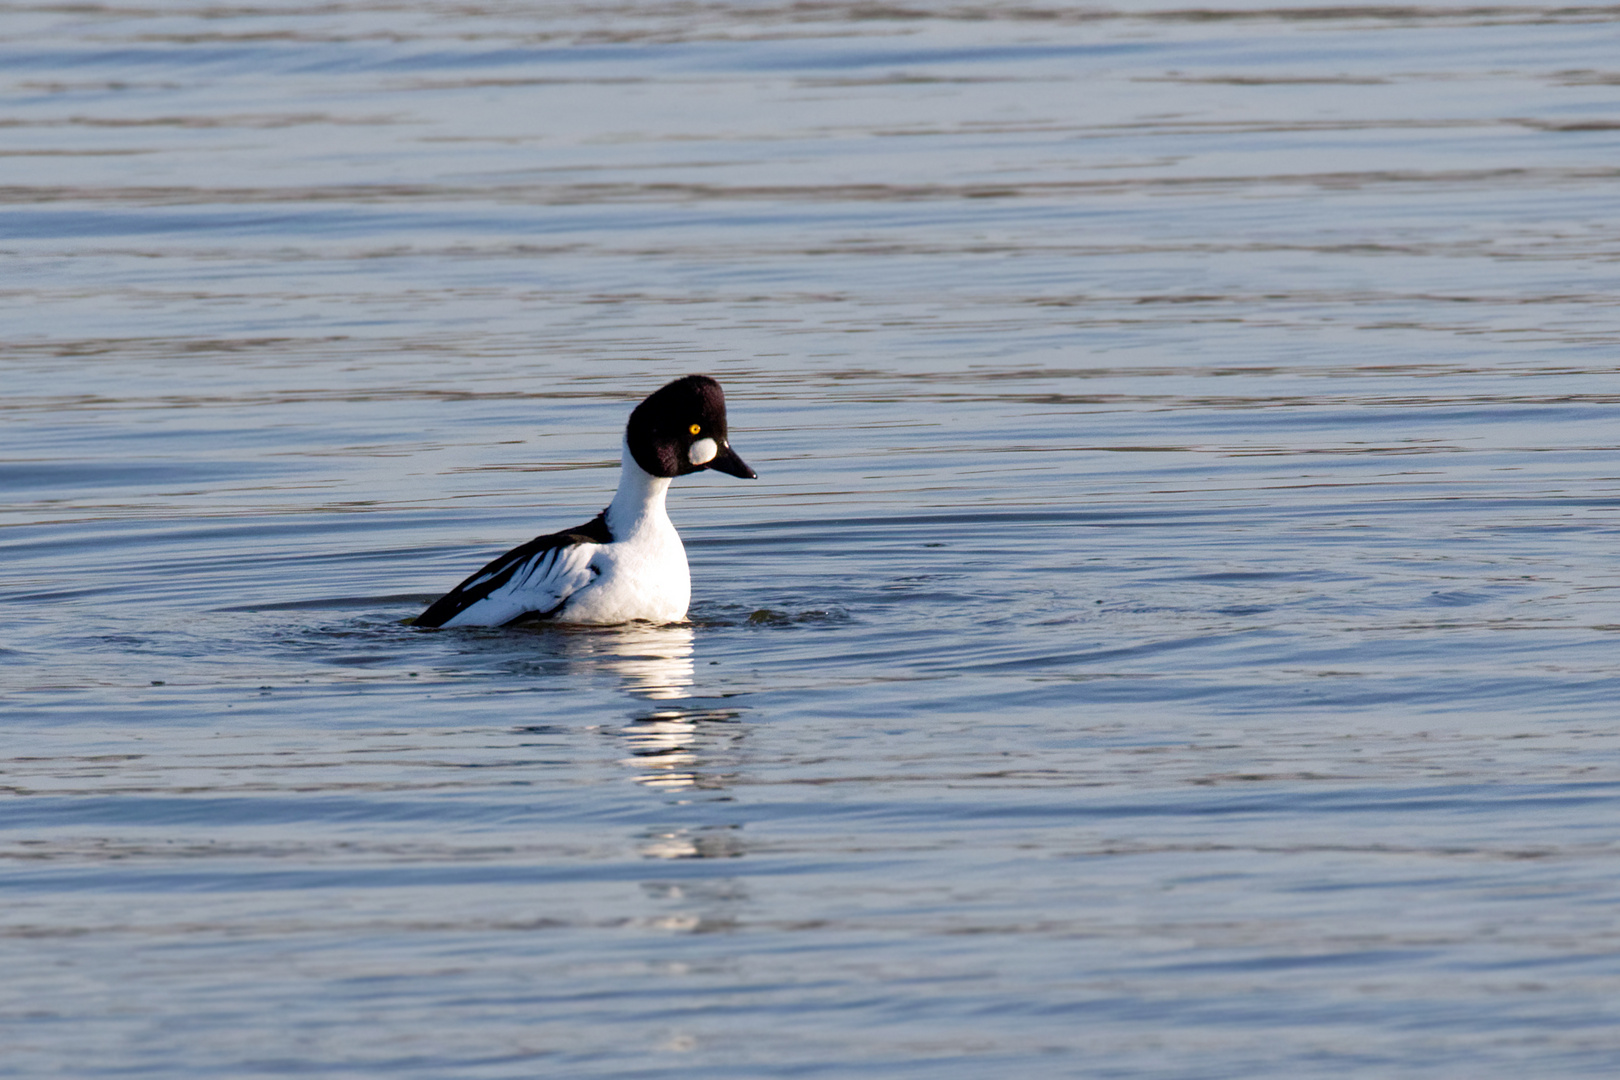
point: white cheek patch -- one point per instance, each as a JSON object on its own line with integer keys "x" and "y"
{"x": 702, "y": 452}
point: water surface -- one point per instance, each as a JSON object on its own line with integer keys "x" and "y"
{"x": 1173, "y": 634}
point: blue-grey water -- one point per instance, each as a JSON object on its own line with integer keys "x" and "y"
{"x": 1176, "y": 631}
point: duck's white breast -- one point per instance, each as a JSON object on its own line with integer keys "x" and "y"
{"x": 641, "y": 573}
{"x": 643, "y": 576}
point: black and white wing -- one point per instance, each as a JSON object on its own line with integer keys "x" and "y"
{"x": 531, "y": 581}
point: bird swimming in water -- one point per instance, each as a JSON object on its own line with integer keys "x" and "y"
{"x": 626, "y": 563}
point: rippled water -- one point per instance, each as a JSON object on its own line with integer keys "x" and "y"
{"x": 1174, "y": 633}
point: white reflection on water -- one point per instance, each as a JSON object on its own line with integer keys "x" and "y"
{"x": 661, "y": 749}
{"x": 713, "y": 843}
{"x": 653, "y": 662}
{"x": 668, "y": 753}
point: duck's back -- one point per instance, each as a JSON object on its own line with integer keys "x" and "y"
{"x": 534, "y": 580}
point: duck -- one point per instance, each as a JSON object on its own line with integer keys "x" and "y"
{"x": 627, "y": 564}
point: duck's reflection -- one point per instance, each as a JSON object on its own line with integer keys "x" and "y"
{"x": 668, "y": 745}
{"x": 652, "y": 662}
{"x": 672, "y": 746}
{"x": 711, "y": 842}
{"x": 676, "y": 749}
{"x": 686, "y": 754}
{"x": 663, "y": 750}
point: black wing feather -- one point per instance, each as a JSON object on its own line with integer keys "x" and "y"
{"x": 500, "y": 570}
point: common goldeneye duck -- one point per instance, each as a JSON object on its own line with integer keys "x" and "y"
{"x": 627, "y": 562}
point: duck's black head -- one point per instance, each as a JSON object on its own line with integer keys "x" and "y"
{"x": 682, "y": 428}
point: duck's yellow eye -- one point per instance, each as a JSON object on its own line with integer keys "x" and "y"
{"x": 695, "y": 428}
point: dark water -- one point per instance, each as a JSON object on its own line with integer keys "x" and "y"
{"x": 1174, "y": 633}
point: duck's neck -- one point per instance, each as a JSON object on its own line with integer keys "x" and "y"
{"x": 639, "y": 502}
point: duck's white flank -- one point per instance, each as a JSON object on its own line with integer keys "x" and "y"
{"x": 640, "y": 574}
